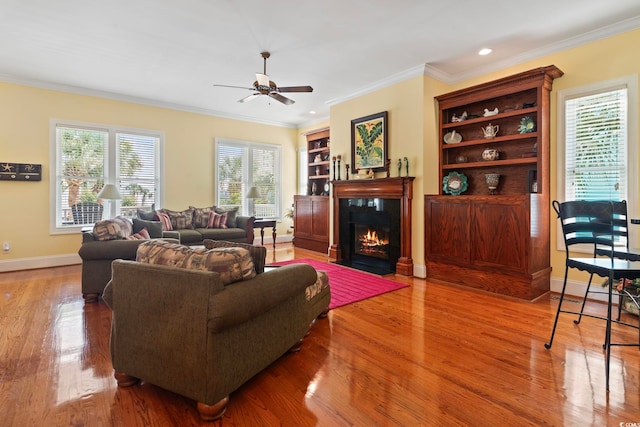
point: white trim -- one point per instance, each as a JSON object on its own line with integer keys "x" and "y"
{"x": 570, "y": 43}
{"x": 633, "y": 151}
{"x": 576, "y": 288}
{"x": 112, "y": 131}
{"x": 39, "y": 262}
{"x": 246, "y": 174}
{"x": 380, "y": 84}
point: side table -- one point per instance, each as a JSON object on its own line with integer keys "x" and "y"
{"x": 262, "y": 223}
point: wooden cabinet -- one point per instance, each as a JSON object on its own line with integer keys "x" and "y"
{"x": 311, "y": 223}
{"x": 311, "y": 211}
{"x": 494, "y": 240}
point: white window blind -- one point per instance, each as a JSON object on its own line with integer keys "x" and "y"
{"x": 242, "y": 165}
{"x": 86, "y": 157}
{"x": 138, "y": 176}
{"x": 596, "y": 146}
{"x": 80, "y": 165}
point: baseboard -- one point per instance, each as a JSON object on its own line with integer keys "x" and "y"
{"x": 39, "y": 262}
{"x": 268, "y": 240}
{"x": 577, "y": 289}
{"x": 420, "y": 271}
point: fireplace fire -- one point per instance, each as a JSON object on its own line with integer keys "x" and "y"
{"x": 371, "y": 241}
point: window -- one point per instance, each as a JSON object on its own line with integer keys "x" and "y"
{"x": 85, "y": 157}
{"x": 597, "y": 143}
{"x": 242, "y": 165}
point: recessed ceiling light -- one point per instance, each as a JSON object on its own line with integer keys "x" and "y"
{"x": 485, "y": 51}
{"x": 312, "y": 112}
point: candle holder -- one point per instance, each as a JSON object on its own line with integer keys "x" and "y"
{"x": 339, "y": 157}
{"x": 347, "y": 174}
{"x": 334, "y": 166}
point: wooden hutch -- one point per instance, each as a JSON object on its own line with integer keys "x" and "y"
{"x": 496, "y": 240}
{"x": 311, "y": 211}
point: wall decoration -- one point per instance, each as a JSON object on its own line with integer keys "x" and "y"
{"x": 369, "y": 142}
{"x": 20, "y": 171}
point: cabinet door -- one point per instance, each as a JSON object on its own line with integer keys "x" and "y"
{"x": 303, "y": 217}
{"x": 320, "y": 212}
{"x": 447, "y": 229}
{"x": 500, "y": 233}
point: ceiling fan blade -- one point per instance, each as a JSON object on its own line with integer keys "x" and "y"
{"x": 281, "y": 98}
{"x": 249, "y": 97}
{"x": 263, "y": 79}
{"x": 237, "y": 87}
{"x": 295, "y": 89}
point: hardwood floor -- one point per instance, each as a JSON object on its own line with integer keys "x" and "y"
{"x": 428, "y": 354}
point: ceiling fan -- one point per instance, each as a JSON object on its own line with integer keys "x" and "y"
{"x": 264, "y": 86}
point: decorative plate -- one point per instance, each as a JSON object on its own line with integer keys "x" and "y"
{"x": 455, "y": 183}
{"x": 452, "y": 137}
{"x": 526, "y": 125}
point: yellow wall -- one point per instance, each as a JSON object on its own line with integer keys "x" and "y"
{"x": 25, "y": 114}
{"x": 404, "y": 103}
{"x": 413, "y": 117}
{"x": 189, "y": 141}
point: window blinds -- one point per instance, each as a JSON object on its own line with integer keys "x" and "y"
{"x": 596, "y": 146}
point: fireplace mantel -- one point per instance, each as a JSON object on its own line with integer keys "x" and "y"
{"x": 383, "y": 188}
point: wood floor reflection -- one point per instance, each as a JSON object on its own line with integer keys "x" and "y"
{"x": 428, "y": 354}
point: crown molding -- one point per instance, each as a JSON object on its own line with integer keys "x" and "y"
{"x": 77, "y": 90}
{"x": 572, "y": 42}
{"x": 395, "y": 78}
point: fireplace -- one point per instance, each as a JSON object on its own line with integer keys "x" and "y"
{"x": 372, "y": 224}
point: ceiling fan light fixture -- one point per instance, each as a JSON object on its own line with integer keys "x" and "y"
{"x": 263, "y": 86}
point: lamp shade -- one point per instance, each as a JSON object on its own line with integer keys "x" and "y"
{"x": 253, "y": 193}
{"x": 109, "y": 192}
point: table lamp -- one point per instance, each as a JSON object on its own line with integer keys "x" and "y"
{"x": 109, "y": 192}
{"x": 251, "y": 195}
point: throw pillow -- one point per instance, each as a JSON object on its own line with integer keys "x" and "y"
{"x": 232, "y": 213}
{"x": 140, "y": 235}
{"x": 180, "y": 220}
{"x": 165, "y": 221}
{"x": 217, "y": 220}
{"x": 147, "y": 215}
{"x": 153, "y": 227}
{"x": 112, "y": 229}
{"x": 201, "y": 216}
{"x": 233, "y": 264}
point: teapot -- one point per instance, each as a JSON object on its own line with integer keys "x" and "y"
{"x": 490, "y": 131}
{"x": 490, "y": 154}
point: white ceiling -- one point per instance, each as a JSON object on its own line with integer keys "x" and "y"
{"x": 170, "y": 53}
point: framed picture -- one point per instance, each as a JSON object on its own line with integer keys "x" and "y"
{"x": 369, "y": 142}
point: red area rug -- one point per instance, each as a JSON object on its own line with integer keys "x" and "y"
{"x": 349, "y": 285}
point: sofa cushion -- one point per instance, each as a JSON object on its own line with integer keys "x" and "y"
{"x": 258, "y": 253}
{"x": 233, "y": 264}
{"x": 232, "y": 213}
{"x": 222, "y": 233}
{"x": 153, "y": 227}
{"x": 179, "y": 220}
{"x": 140, "y": 235}
{"x": 147, "y": 215}
{"x": 112, "y": 229}
{"x": 201, "y": 216}
{"x": 217, "y": 220}
{"x": 164, "y": 220}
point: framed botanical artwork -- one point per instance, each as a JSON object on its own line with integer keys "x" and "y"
{"x": 369, "y": 142}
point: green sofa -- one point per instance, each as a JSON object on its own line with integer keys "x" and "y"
{"x": 186, "y": 332}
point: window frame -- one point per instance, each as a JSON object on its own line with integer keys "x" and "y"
{"x": 111, "y": 167}
{"x": 629, "y": 82}
{"x": 247, "y": 181}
